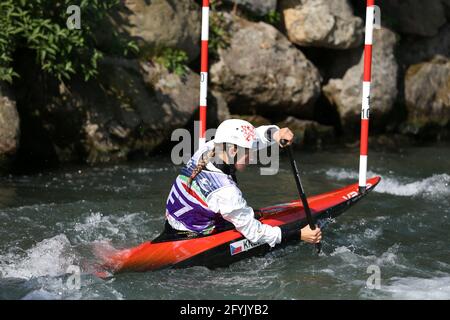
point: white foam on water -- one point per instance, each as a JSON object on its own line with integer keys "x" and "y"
{"x": 150, "y": 170}
{"x": 328, "y": 271}
{"x": 355, "y": 268}
{"x": 343, "y": 174}
{"x": 41, "y": 294}
{"x": 340, "y": 250}
{"x": 373, "y": 233}
{"x": 438, "y": 185}
{"x": 419, "y": 288}
{"x": 37, "y": 207}
{"x": 99, "y": 227}
{"x": 389, "y": 258}
{"x": 50, "y": 257}
{"x": 45, "y": 265}
{"x": 94, "y": 222}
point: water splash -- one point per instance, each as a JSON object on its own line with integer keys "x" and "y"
{"x": 438, "y": 185}
{"x": 50, "y": 257}
{"x": 419, "y": 288}
{"x": 391, "y": 257}
{"x": 99, "y": 227}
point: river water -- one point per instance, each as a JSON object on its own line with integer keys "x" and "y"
{"x": 49, "y": 221}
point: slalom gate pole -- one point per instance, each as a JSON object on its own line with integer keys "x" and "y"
{"x": 204, "y": 71}
{"x": 370, "y": 16}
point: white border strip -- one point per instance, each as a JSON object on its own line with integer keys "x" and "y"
{"x": 362, "y": 171}
{"x": 370, "y": 14}
{"x": 365, "y": 100}
{"x": 205, "y": 24}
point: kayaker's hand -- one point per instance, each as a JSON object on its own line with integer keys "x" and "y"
{"x": 311, "y": 236}
{"x": 284, "y": 134}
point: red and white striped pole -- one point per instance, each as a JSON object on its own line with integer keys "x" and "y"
{"x": 370, "y": 15}
{"x": 204, "y": 71}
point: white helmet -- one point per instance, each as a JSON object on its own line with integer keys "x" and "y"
{"x": 236, "y": 131}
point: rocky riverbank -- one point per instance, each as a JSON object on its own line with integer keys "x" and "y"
{"x": 292, "y": 62}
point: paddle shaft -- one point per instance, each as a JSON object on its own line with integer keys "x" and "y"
{"x": 301, "y": 191}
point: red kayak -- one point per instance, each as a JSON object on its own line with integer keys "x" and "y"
{"x": 226, "y": 247}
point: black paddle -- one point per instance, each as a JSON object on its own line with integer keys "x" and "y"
{"x": 301, "y": 192}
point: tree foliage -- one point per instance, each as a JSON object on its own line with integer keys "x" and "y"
{"x": 41, "y": 26}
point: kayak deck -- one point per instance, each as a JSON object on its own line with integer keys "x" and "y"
{"x": 224, "y": 248}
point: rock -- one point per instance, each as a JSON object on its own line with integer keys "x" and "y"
{"x": 333, "y": 63}
{"x": 392, "y": 142}
{"x": 132, "y": 107}
{"x": 427, "y": 94}
{"x": 446, "y": 4}
{"x": 322, "y": 23}
{"x": 346, "y": 93}
{"x": 309, "y": 133}
{"x": 257, "y": 7}
{"x": 159, "y": 24}
{"x": 8, "y": 196}
{"x": 9, "y": 127}
{"x": 414, "y": 49}
{"x": 423, "y": 18}
{"x": 217, "y": 110}
{"x": 145, "y": 103}
{"x": 262, "y": 72}
{"x": 253, "y": 119}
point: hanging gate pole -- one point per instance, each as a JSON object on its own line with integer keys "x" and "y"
{"x": 370, "y": 15}
{"x": 204, "y": 71}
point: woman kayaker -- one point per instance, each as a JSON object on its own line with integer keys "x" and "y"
{"x": 205, "y": 197}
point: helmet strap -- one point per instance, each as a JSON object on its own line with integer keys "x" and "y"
{"x": 226, "y": 168}
{"x": 235, "y": 155}
{"x": 228, "y": 153}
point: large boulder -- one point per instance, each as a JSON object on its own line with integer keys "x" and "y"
{"x": 309, "y": 133}
{"x": 262, "y": 72}
{"x": 144, "y": 104}
{"x": 9, "y": 127}
{"x": 346, "y": 93}
{"x": 160, "y": 24}
{"x": 217, "y": 110}
{"x": 257, "y": 7}
{"x": 254, "y": 119}
{"x": 427, "y": 94}
{"x": 415, "y": 49}
{"x": 423, "y": 18}
{"x": 132, "y": 107}
{"x": 322, "y": 23}
{"x": 446, "y": 4}
{"x": 339, "y": 62}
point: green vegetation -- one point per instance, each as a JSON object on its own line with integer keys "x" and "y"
{"x": 174, "y": 60}
{"x": 41, "y": 26}
{"x": 219, "y": 34}
{"x": 273, "y": 17}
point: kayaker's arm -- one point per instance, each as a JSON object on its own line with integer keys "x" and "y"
{"x": 265, "y": 134}
{"x": 268, "y": 135}
{"x": 233, "y": 207}
{"x": 305, "y": 234}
